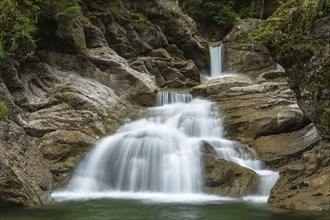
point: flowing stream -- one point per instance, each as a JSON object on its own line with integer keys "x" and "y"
{"x": 152, "y": 169}
{"x": 159, "y": 157}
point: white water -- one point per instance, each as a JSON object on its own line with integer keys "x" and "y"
{"x": 216, "y": 56}
{"x": 159, "y": 157}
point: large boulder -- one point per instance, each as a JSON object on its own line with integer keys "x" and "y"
{"x": 239, "y": 55}
{"x": 227, "y": 178}
{"x": 251, "y": 109}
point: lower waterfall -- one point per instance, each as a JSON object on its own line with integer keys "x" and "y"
{"x": 160, "y": 155}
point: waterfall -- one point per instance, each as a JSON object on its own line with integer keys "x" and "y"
{"x": 161, "y": 152}
{"x": 216, "y": 57}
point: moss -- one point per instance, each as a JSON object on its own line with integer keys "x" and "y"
{"x": 66, "y": 16}
{"x": 3, "y": 110}
{"x": 144, "y": 23}
{"x": 138, "y": 25}
{"x": 53, "y": 101}
{"x": 171, "y": 14}
{"x": 325, "y": 121}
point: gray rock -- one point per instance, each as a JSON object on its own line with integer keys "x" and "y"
{"x": 24, "y": 177}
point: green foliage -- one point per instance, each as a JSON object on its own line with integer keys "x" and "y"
{"x": 224, "y": 13}
{"x": 325, "y": 120}
{"x": 3, "y": 109}
{"x": 18, "y": 20}
{"x": 171, "y": 14}
{"x": 67, "y": 11}
{"x": 289, "y": 35}
{"x": 142, "y": 23}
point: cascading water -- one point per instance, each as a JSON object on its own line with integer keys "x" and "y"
{"x": 160, "y": 153}
{"x": 216, "y": 56}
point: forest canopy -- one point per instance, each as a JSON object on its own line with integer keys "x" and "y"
{"x": 18, "y": 19}
{"x": 222, "y": 14}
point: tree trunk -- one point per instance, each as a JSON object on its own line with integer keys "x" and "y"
{"x": 262, "y": 8}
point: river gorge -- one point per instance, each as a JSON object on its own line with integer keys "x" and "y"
{"x": 132, "y": 111}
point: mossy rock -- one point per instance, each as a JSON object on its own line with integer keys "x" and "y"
{"x": 226, "y": 178}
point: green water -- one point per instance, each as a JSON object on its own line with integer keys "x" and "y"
{"x": 133, "y": 209}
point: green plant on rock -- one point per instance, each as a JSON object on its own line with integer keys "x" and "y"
{"x": 67, "y": 12}
{"x": 325, "y": 121}
{"x": 18, "y": 19}
{"x": 171, "y": 14}
{"x": 17, "y": 22}
{"x": 3, "y": 110}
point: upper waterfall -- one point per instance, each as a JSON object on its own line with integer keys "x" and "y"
{"x": 216, "y": 60}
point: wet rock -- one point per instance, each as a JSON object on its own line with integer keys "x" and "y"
{"x": 226, "y": 178}
{"x": 217, "y": 87}
{"x": 252, "y": 109}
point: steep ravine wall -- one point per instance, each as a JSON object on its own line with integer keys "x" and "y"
{"x": 297, "y": 37}
{"x": 75, "y": 90}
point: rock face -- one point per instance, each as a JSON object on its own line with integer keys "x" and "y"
{"x": 251, "y": 108}
{"x": 155, "y": 36}
{"x": 76, "y": 89}
{"x": 263, "y": 114}
{"x": 261, "y": 110}
{"x": 248, "y": 57}
{"x": 307, "y": 59}
{"x": 305, "y": 184}
{"x": 24, "y": 177}
{"x": 297, "y": 35}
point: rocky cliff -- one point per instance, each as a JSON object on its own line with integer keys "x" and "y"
{"x": 271, "y": 109}
{"x": 75, "y": 89}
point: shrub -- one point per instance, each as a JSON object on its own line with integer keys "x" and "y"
{"x": 3, "y": 110}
